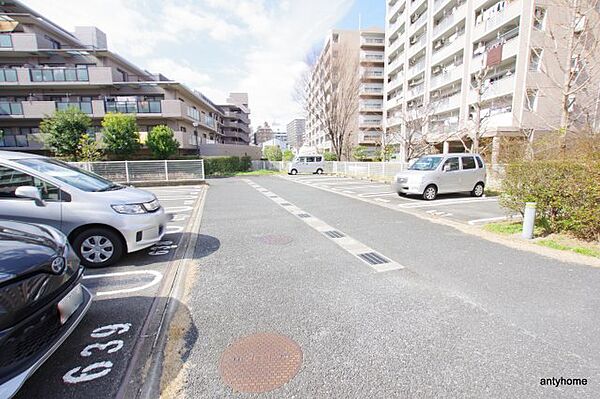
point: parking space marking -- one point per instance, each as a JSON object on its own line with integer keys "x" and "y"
{"x": 179, "y": 209}
{"x": 382, "y": 200}
{"x": 453, "y": 201}
{"x": 365, "y": 254}
{"x": 157, "y": 276}
{"x": 379, "y": 194}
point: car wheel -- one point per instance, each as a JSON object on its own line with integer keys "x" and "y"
{"x": 430, "y": 193}
{"x": 319, "y": 171}
{"x": 98, "y": 247}
{"x": 293, "y": 172}
{"x": 478, "y": 190}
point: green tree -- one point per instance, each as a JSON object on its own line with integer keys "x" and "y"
{"x": 359, "y": 153}
{"x": 329, "y": 156}
{"x": 288, "y": 155}
{"x": 87, "y": 149}
{"x": 162, "y": 142}
{"x": 63, "y": 131}
{"x": 120, "y": 134}
{"x": 388, "y": 152}
{"x": 273, "y": 153}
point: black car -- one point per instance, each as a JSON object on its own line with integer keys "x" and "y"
{"x": 41, "y": 299}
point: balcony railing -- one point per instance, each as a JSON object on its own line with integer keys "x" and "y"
{"x": 373, "y": 57}
{"x": 59, "y": 75}
{"x": 11, "y": 108}
{"x": 416, "y": 90}
{"x": 8, "y": 75}
{"x": 133, "y": 107}
{"x": 447, "y": 77}
{"x": 373, "y": 41}
{"x": 371, "y": 90}
{"x": 83, "y": 106}
{"x": 446, "y": 103}
{"x": 417, "y": 68}
{"x": 449, "y": 20}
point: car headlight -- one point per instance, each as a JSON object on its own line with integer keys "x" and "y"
{"x": 129, "y": 209}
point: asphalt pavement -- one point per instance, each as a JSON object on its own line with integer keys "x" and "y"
{"x": 460, "y": 317}
{"x": 93, "y": 361}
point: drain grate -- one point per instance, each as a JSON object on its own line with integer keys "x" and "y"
{"x": 303, "y": 215}
{"x": 373, "y": 258}
{"x": 333, "y": 234}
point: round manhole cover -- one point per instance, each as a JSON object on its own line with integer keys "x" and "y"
{"x": 260, "y": 363}
{"x": 276, "y": 239}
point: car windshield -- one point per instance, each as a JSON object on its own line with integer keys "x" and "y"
{"x": 426, "y": 163}
{"x": 78, "y": 178}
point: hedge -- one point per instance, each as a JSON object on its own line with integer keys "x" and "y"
{"x": 567, "y": 194}
{"x": 223, "y": 166}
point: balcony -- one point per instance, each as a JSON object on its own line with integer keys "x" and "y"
{"x": 371, "y": 90}
{"x": 449, "y": 49}
{"x": 370, "y": 106}
{"x": 417, "y": 45}
{"x": 29, "y": 141}
{"x": 499, "y": 88}
{"x": 415, "y": 91}
{"x": 485, "y": 26}
{"x": 8, "y": 108}
{"x": 83, "y": 106}
{"x": 394, "y": 8}
{"x": 91, "y": 76}
{"x": 367, "y": 41}
{"x": 416, "y": 68}
{"x": 372, "y": 73}
{"x": 438, "y": 4}
{"x": 418, "y": 23}
{"x": 372, "y": 57}
{"x": 367, "y": 123}
{"x": 450, "y": 76}
{"x": 450, "y": 20}
{"x": 510, "y": 49}
{"x": 59, "y": 75}
{"x": 369, "y": 138}
{"x": 396, "y": 83}
{"x": 447, "y": 103}
{"x": 396, "y": 63}
{"x": 133, "y": 107}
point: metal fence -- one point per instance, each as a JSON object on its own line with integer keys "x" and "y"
{"x": 384, "y": 171}
{"x": 370, "y": 170}
{"x": 146, "y": 171}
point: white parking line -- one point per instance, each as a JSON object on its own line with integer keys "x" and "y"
{"x": 447, "y": 202}
{"x": 379, "y": 194}
{"x": 365, "y": 254}
{"x": 157, "y": 277}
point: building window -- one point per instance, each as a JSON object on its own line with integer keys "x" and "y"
{"x": 535, "y": 59}
{"x": 539, "y": 18}
{"x": 532, "y": 99}
{"x": 53, "y": 43}
{"x": 5, "y": 41}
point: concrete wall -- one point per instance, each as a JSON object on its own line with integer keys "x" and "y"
{"x": 224, "y": 150}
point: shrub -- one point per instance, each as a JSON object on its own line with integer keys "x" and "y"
{"x": 223, "y": 166}
{"x": 273, "y": 153}
{"x": 162, "y": 142}
{"x": 567, "y": 194}
{"x": 359, "y": 153}
{"x": 62, "y": 132}
{"x": 120, "y": 134}
{"x": 87, "y": 149}
{"x": 288, "y": 155}
{"x": 329, "y": 156}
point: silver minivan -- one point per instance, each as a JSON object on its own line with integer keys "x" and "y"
{"x": 103, "y": 220}
{"x": 431, "y": 175}
{"x": 307, "y": 164}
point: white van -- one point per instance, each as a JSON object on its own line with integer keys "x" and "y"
{"x": 431, "y": 175}
{"x": 307, "y": 164}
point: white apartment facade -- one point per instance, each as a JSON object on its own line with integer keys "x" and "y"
{"x": 367, "y": 47}
{"x": 434, "y": 50}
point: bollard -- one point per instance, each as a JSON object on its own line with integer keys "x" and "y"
{"x": 529, "y": 220}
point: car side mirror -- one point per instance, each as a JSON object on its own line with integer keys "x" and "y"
{"x": 31, "y": 193}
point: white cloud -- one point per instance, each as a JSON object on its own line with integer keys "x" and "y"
{"x": 215, "y": 46}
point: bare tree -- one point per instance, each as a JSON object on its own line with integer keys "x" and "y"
{"x": 412, "y": 138}
{"x": 575, "y": 48}
{"x": 329, "y": 93}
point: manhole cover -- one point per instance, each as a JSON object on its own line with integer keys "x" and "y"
{"x": 276, "y": 239}
{"x": 260, "y": 363}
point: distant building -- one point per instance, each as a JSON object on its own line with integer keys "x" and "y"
{"x": 295, "y": 133}
{"x": 274, "y": 142}
{"x": 263, "y": 133}
{"x": 236, "y": 119}
{"x": 281, "y": 136}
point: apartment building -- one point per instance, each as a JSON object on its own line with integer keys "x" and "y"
{"x": 437, "y": 49}
{"x": 295, "y": 133}
{"x": 263, "y": 133}
{"x": 366, "y": 48}
{"x": 44, "y": 68}
{"x": 236, "y": 119}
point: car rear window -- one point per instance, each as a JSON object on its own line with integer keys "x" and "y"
{"x": 468, "y": 163}
{"x": 479, "y": 162}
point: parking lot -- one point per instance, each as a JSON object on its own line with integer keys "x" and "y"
{"x": 457, "y": 207}
{"x": 94, "y": 360}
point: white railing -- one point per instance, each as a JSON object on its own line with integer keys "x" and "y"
{"x": 146, "y": 171}
{"x": 384, "y": 171}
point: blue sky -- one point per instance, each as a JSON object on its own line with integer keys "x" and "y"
{"x": 219, "y": 46}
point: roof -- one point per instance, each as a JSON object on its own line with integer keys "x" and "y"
{"x": 17, "y": 155}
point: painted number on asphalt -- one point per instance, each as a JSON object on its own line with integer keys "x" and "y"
{"x": 102, "y": 368}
